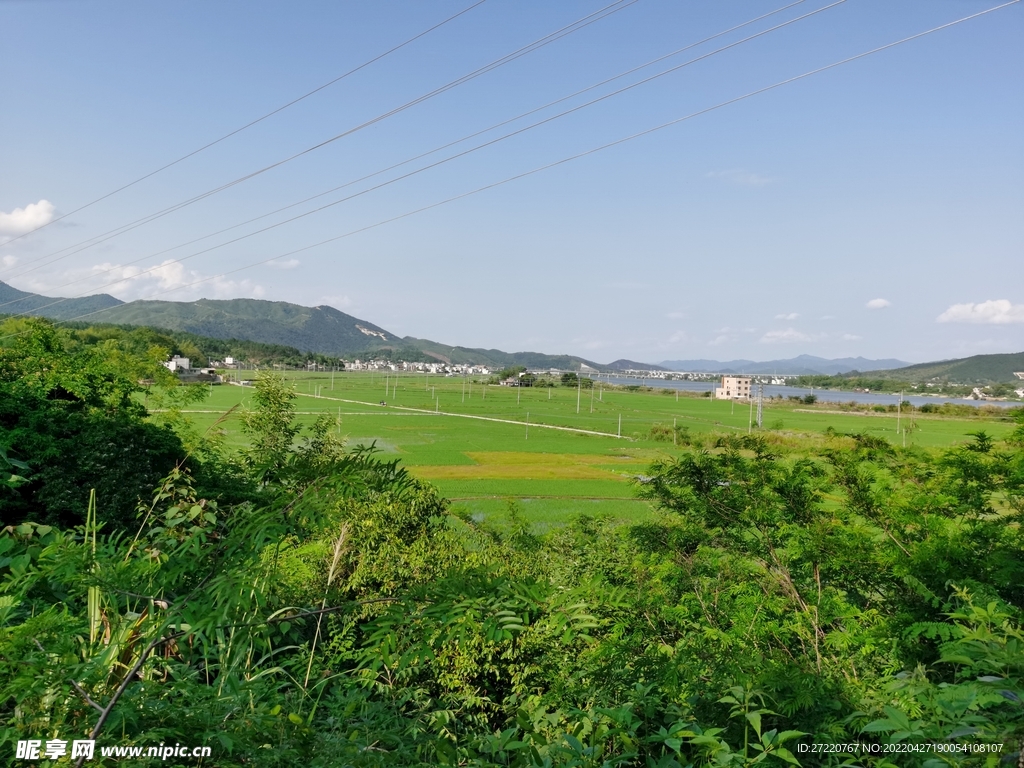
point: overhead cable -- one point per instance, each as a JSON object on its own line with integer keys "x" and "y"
{"x": 439, "y": 162}
{"x": 570, "y": 158}
{"x": 575, "y": 26}
{"x": 251, "y": 123}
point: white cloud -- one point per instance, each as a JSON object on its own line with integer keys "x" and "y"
{"x": 283, "y": 263}
{"x": 719, "y": 340}
{"x": 677, "y": 337}
{"x": 9, "y": 261}
{"x": 991, "y": 312}
{"x": 878, "y": 304}
{"x": 675, "y": 315}
{"x": 22, "y": 220}
{"x": 740, "y": 177}
{"x": 786, "y": 336}
{"x": 851, "y": 337}
{"x": 135, "y": 282}
{"x": 787, "y": 316}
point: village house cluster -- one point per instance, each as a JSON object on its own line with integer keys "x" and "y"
{"x": 438, "y": 368}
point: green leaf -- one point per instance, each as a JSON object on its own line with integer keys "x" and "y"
{"x": 755, "y": 720}
{"x": 785, "y": 736}
{"x": 875, "y": 726}
{"x": 786, "y": 755}
{"x": 897, "y": 717}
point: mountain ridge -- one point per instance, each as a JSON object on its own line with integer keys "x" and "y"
{"x": 322, "y": 329}
{"x": 329, "y": 331}
{"x": 17, "y": 302}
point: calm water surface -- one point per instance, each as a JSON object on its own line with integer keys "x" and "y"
{"x": 824, "y": 395}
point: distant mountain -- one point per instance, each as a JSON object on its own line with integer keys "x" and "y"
{"x": 802, "y": 365}
{"x": 15, "y": 302}
{"x": 978, "y": 369}
{"x": 632, "y": 365}
{"x": 322, "y": 329}
{"x": 497, "y": 358}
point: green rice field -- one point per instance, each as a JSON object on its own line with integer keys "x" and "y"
{"x": 557, "y": 452}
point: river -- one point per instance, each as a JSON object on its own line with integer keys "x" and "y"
{"x": 824, "y": 395}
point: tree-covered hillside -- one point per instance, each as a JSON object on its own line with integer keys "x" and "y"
{"x": 978, "y": 369}
{"x": 322, "y": 330}
{"x": 15, "y": 302}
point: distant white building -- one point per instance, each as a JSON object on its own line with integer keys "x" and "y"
{"x": 1019, "y": 374}
{"x": 733, "y": 387}
{"x": 178, "y": 364}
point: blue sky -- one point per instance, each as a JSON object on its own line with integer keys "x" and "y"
{"x": 876, "y": 209}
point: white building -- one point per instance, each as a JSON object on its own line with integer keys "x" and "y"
{"x": 733, "y": 387}
{"x": 176, "y": 364}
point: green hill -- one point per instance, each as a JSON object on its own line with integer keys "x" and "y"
{"x": 15, "y": 302}
{"x": 317, "y": 329}
{"x": 498, "y": 358}
{"x": 978, "y": 369}
{"x": 322, "y": 330}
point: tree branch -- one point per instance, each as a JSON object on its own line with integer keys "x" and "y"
{"x": 86, "y": 696}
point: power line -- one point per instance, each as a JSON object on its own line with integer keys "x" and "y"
{"x": 430, "y": 152}
{"x": 577, "y": 156}
{"x": 437, "y": 163}
{"x": 250, "y": 124}
{"x": 424, "y": 154}
{"x": 575, "y": 26}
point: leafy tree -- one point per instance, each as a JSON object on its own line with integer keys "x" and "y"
{"x": 67, "y": 411}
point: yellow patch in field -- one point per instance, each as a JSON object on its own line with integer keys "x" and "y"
{"x": 517, "y": 465}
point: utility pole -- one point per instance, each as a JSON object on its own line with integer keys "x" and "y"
{"x": 463, "y": 389}
{"x": 899, "y": 407}
{"x": 619, "y": 433}
{"x": 591, "y": 395}
{"x": 760, "y": 403}
{"x": 750, "y": 420}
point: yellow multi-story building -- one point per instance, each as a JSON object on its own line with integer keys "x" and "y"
{"x": 733, "y": 387}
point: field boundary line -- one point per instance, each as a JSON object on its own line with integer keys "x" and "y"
{"x": 470, "y": 416}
